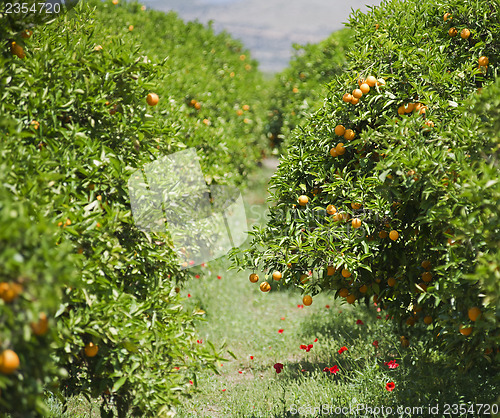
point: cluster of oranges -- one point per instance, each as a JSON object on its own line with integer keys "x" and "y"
{"x": 364, "y": 88}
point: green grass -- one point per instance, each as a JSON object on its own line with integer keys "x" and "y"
{"x": 247, "y": 320}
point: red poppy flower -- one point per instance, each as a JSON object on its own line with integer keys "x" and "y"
{"x": 278, "y": 367}
{"x": 240, "y": 372}
{"x": 334, "y": 369}
{"x": 280, "y": 331}
{"x": 391, "y": 364}
{"x": 197, "y": 276}
{"x": 282, "y": 318}
{"x": 327, "y": 306}
{"x": 315, "y": 340}
{"x": 176, "y": 368}
{"x": 219, "y": 277}
{"x": 359, "y": 322}
{"x": 203, "y": 265}
{"x": 303, "y": 346}
{"x": 300, "y": 306}
{"x": 379, "y": 317}
{"x": 390, "y": 386}
{"x": 191, "y": 262}
{"x": 223, "y": 390}
{"x": 199, "y": 341}
{"x": 326, "y": 369}
{"x": 308, "y": 348}
{"x": 189, "y": 295}
{"x": 251, "y": 357}
{"x": 375, "y": 343}
{"x": 191, "y": 382}
{"x": 342, "y": 349}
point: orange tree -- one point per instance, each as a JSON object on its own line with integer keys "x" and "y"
{"x": 375, "y": 186}
{"x": 76, "y": 120}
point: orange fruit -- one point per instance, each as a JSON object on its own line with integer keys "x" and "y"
{"x": 409, "y": 107}
{"x": 350, "y": 299}
{"x": 427, "y": 276}
{"x": 447, "y": 16}
{"x": 330, "y": 271}
{"x": 356, "y": 223}
{"x": 453, "y": 32}
{"x": 26, "y": 33}
{"x": 361, "y": 81}
{"x": 277, "y": 275}
{"x": 346, "y": 273}
{"x": 9, "y": 362}
{"x": 465, "y": 33}
{"x": 346, "y": 97}
{"x": 343, "y": 292}
{"x": 265, "y": 287}
{"x": 9, "y": 291}
{"x": 349, "y": 134}
{"x": 307, "y": 300}
{"x": 357, "y": 93}
{"x": 337, "y": 217}
{"x": 483, "y": 61}
{"x": 197, "y": 105}
{"x": 365, "y": 88}
{"x": 382, "y": 234}
{"x": 426, "y": 264}
{"x": 354, "y": 100}
{"x": 356, "y": 205}
{"x": 91, "y": 349}
{"x": 152, "y": 99}
{"x": 17, "y": 50}
{"x": 410, "y": 321}
{"x": 304, "y": 278}
{"x": 254, "y": 278}
{"x": 474, "y": 313}
{"x": 401, "y": 110}
{"x": 340, "y": 148}
{"x": 131, "y": 28}
{"x": 303, "y": 200}
{"x": 363, "y": 289}
{"x": 391, "y": 281}
{"x": 405, "y": 342}
{"x": 42, "y": 326}
{"x": 339, "y": 130}
{"x": 333, "y": 152}
{"x": 428, "y": 319}
{"x": 394, "y": 235}
{"x": 371, "y": 81}
{"x": 429, "y": 123}
{"x": 246, "y": 107}
{"x": 465, "y": 330}
{"x": 331, "y": 210}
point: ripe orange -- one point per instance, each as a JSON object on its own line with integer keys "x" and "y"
{"x": 357, "y": 93}
{"x": 465, "y": 33}
{"x": 356, "y": 205}
{"x": 343, "y": 292}
{"x": 483, "y": 61}
{"x": 304, "y": 278}
{"x": 331, "y": 210}
{"x": 371, "y": 81}
{"x": 346, "y": 273}
{"x": 410, "y": 321}
{"x": 17, "y": 50}
{"x": 394, "y": 235}
{"x": 9, "y": 291}
{"x": 474, "y": 313}
{"x": 42, "y": 326}
{"x": 152, "y": 99}
{"x": 405, "y": 342}
{"x": 356, "y": 223}
{"x": 361, "y": 81}
{"x": 330, "y": 271}
{"x": 422, "y": 110}
{"x": 339, "y": 130}
{"x": 401, "y": 110}
{"x": 346, "y": 97}
{"x": 429, "y": 123}
{"x": 349, "y": 134}
{"x": 427, "y": 276}
{"x": 453, "y": 32}
{"x": 340, "y": 148}
{"x": 307, "y": 300}
{"x": 277, "y": 275}
{"x": 447, "y": 16}
{"x": 9, "y": 362}
{"x": 428, "y": 319}
{"x": 265, "y": 287}
{"x": 254, "y": 278}
{"x": 426, "y": 264}
{"x": 363, "y": 289}
{"x": 382, "y": 234}
{"x": 465, "y": 330}
{"x": 91, "y": 349}
{"x": 350, "y": 299}
{"x": 409, "y": 107}
{"x": 365, "y": 88}
{"x": 115, "y": 2}
{"x": 333, "y": 152}
{"x": 354, "y": 100}
{"x": 131, "y": 28}
{"x": 303, "y": 200}
{"x": 246, "y": 107}
{"x": 391, "y": 281}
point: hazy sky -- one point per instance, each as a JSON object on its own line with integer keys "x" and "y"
{"x": 268, "y": 27}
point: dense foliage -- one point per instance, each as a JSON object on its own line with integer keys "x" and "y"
{"x": 389, "y": 192}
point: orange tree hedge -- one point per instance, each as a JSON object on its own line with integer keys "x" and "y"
{"x": 375, "y": 187}
{"x": 74, "y": 125}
